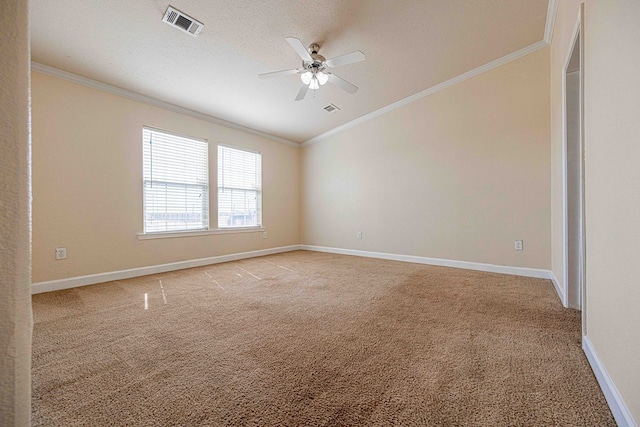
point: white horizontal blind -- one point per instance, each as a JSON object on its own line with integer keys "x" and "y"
{"x": 239, "y": 188}
{"x": 176, "y": 182}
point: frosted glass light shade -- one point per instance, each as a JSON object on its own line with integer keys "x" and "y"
{"x": 314, "y": 83}
{"x": 322, "y": 77}
{"x": 306, "y": 77}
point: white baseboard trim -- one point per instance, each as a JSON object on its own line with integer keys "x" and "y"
{"x": 619, "y": 409}
{"x": 617, "y": 405}
{"x": 517, "y": 271}
{"x": 73, "y": 282}
{"x": 559, "y": 289}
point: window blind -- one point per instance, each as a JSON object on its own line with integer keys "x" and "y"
{"x": 176, "y": 182}
{"x": 239, "y": 188}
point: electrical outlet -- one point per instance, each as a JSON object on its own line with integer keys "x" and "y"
{"x": 61, "y": 253}
{"x": 264, "y": 234}
{"x": 518, "y": 245}
{"x": 359, "y": 235}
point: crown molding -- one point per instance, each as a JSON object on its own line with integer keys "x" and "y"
{"x": 114, "y": 90}
{"x": 552, "y": 9}
{"x": 437, "y": 88}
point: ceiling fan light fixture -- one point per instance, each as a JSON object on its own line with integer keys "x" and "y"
{"x": 314, "y": 78}
{"x": 306, "y": 77}
{"x": 314, "y": 83}
{"x": 322, "y": 77}
{"x": 313, "y": 72}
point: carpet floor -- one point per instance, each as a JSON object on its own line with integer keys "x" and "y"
{"x": 312, "y": 339}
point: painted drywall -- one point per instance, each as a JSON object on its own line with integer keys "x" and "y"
{"x": 87, "y": 184}
{"x": 15, "y": 300}
{"x": 561, "y": 44}
{"x": 458, "y": 175}
{"x": 612, "y": 184}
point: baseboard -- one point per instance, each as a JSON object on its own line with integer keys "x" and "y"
{"x": 517, "y": 271}
{"x": 617, "y": 405}
{"x": 73, "y": 282}
{"x": 619, "y": 409}
{"x": 559, "y": 289}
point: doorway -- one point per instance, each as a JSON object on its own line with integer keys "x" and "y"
{"x": 574, "y": 179}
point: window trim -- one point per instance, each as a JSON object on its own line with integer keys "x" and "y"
{"x": 195, "y": 233}
{"x": 260, "y": 226}
{"x": 176, "y": 233}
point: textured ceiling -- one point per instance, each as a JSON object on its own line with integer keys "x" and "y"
{"x": 410, "y": 45}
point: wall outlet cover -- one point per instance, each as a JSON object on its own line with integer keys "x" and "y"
{"x": 61, "y": 253}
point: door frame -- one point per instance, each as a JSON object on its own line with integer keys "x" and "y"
{"x": 577, "y": 41}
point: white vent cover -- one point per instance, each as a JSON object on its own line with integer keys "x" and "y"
{"x": 331, "y": 108}
{"x": 183, "y": 22}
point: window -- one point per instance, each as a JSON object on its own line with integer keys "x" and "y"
{"x": 239, "y": 188}
{"x": 176, "y": 182}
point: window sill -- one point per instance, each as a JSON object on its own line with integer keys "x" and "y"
{"x": 172, "y": 234}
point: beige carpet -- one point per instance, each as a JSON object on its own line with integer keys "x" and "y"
{"x": 312, "y": 339}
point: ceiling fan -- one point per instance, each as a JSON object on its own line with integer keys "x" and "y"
{"x": 315, "y": 68}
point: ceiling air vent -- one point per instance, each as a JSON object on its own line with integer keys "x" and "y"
{"x": 179, "y": 20}
{"x": 331, "y": 108}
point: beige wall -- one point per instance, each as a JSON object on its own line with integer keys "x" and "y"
{"x": 458, "y": 175}
{"x": 612, "y": 183}
{"x": 87, "y": 184}
{"x": 15, "y": 295}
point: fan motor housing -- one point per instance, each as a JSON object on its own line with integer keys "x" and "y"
{"x": 313, "y": 48}
{"x": 318, "y": 60}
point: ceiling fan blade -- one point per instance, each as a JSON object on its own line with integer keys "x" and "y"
{"x": 278, "y": 73}
{"x": 347, "y": 58}
{"x": 297, "y": 45}
{"x": 342, "y": 83}
{"x": 302, "y": 93}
